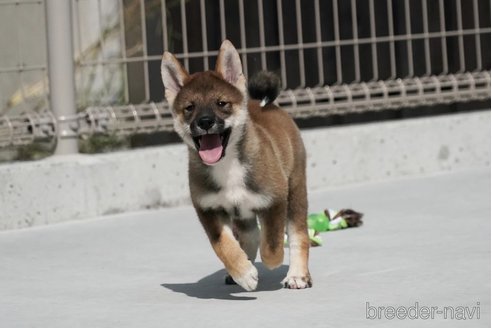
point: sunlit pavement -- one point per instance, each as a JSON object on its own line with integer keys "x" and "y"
{"x": 421, "y": 259}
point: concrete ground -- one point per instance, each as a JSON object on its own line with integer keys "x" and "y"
{"x": 424, "y": 248}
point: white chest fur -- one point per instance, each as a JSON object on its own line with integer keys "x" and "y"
{"x": 234, "y": 196}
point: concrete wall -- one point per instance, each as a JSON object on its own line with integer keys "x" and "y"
{"x": 399, "y": 148}
{"x": 84, "y": 186}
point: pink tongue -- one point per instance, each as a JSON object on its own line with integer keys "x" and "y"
{"x": 210, "y": 148}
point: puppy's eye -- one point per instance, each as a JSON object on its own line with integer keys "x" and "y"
{"x": 189, "y": 108}
{"x": 221, "y": 103}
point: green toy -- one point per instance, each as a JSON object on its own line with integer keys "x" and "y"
{"x": 330, "y": 220}
{"x": 314, "y": 238}
{"x": 323, "y": 221}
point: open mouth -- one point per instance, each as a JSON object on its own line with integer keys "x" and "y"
{"x": 211, "y": 147}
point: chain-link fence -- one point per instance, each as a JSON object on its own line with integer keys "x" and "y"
{"x": 333, "y": 57}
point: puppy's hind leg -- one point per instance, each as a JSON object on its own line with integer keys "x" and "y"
{"x": 298, "y": 276}
{"x": 227, "y": 248}
{"x": 272, "y": 234}
{"x": 248, "y": 235}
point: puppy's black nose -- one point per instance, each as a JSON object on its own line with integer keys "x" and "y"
{"x": 206, "y": 122}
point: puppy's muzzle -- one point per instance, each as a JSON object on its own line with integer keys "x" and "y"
{"x": 210, "y": 138}
{"x": 205, "y": 122}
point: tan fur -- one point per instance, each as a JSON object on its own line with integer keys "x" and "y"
{"x": 264, "y": 163}
{"x": 281, "y": 164}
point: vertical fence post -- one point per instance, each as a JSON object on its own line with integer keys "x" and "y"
{"x": 61, "y": 72}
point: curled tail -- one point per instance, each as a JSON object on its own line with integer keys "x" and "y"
{"x": 264, "y": 86}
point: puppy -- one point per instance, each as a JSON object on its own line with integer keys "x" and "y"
{"x": 246, "y": 161}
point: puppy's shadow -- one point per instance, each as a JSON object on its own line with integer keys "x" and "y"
{"x": 213, "y": 286}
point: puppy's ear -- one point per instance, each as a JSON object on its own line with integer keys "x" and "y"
{"x": 173, "y": 76}
{"x": 229, "y": 66}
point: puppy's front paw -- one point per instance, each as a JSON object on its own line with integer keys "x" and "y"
{"x": 297, "y": 282}
{"x": 248, "y": 280}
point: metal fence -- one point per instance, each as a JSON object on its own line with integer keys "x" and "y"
{"x": 333, "y": 57}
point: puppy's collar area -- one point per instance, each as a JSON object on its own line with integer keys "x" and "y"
{"x": 211, "y": 147}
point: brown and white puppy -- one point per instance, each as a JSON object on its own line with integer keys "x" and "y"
{"x": 245, "y": 161}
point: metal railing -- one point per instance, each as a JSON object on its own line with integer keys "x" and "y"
{"x": 333, "y": 57}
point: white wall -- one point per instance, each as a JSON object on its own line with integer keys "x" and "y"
{"x": 84, "y": 186}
